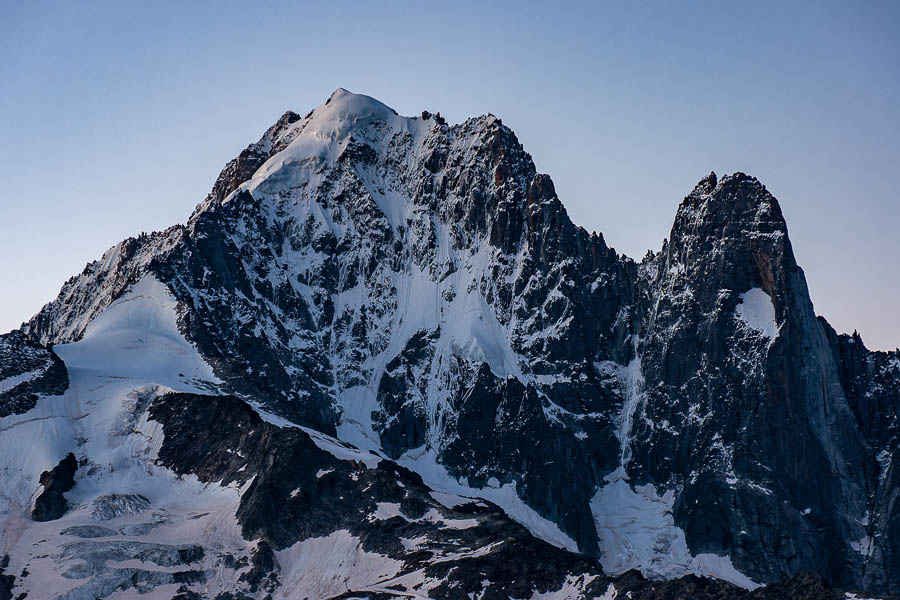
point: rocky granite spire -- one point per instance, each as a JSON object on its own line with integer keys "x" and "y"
{"x": 743, "y": 408}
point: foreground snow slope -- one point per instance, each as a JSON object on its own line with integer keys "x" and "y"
{"x": 130, "y": 353}
{"x": 152, "y": 511}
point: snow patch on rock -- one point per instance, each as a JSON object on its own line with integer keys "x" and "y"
{"x": 11, "y": 382}
{"x": 328, "y": 566}
{"x": 342, "y": 450}
{"x": 637, "y": 531}
{"x": 453, "y": 500}
{"x": 757, "y": 312}
{"x": 573, "y": 589}
{"x": 434, "y": 475}
{"x": 635, "y": 525}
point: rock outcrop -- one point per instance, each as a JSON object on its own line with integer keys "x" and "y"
{"x": 51, "y": 503}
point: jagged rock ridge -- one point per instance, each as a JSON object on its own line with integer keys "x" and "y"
{"x": 417, "y": 289}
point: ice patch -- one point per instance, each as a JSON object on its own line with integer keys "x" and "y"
{"x": 325, "y": 567}
{"x": 436, "y": 477}
{"x": 864, "y": 546}
{"x": 137, "y": 336}
{"x": 128, "y": 354}
{"x": 452, "y": 500}
{"x": 573, "y": 589}
{"x": 436, "y": 517}
{"x": 11, "y": 382}
{"x": 387, "y": 510}
{"x": 319, "y": 138}
{"x": 611, "y": 593}
{"x": 637, "y": 531}
{"x": 340, "y": 450}
{"x": 757, "y": 312}
{"x": 357, "y": 405}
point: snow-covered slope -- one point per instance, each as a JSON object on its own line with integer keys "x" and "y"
{"x": 144, "y": 517}
{"x": 131, "y": 352}
{"x": 417, "y": 291}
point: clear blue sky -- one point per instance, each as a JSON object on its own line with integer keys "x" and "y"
{"x": 115, "y": 117}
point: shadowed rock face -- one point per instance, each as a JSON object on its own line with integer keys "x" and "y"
{"x": 748, "y": 419}
{"x": 871, "y": 381}
{"x": 301, "y": 491}
{"x": 6, "y": 581}
{"x": 27, "y": 370}
{"x": 418, "y": 289}
{"x": 51, "y": 504}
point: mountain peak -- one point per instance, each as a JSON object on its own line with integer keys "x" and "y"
{"x": 705, "y": 185}
{"x": 737, "y": 198}
{"x": 345, "y": 106}
{"x": 730, "y": 230}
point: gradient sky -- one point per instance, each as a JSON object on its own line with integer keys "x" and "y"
{"x": 116, "y": 117}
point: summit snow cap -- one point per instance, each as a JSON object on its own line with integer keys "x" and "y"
{"x": 322, "y": 136}
{"x": 345, "y": 111}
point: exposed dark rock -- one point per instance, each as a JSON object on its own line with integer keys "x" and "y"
{"x": 301, "y": 491}
{"x": 506, "y": 575}
{"x": 38, "y": 368}
{"x": 800, "y": 587}
{"x": 7, "y": 581}
{"x": 186, "y": 594}
{"x": 51, "y": 504}
{"x": 871, "y": 381}
{"x": 752, "y": 426}
{"x": 263, "y": 573}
